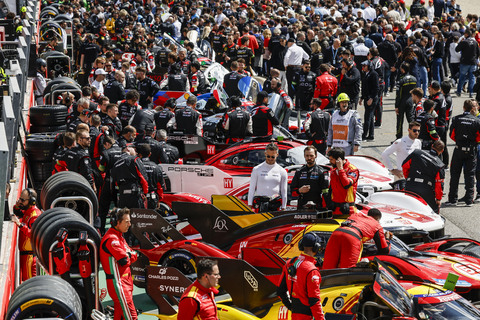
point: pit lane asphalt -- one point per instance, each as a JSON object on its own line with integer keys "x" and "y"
{"x": 461, "y": 221}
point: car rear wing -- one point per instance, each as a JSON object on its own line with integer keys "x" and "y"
{"x": 151, "y": 228}
{"x": 219, "y": 229}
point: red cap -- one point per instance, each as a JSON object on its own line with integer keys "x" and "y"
{"x": 422, "y": 1}
{"x": 401, "y": 1}
{"x": 244, "y": 5}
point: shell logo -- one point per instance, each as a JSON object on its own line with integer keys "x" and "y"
{"x": 469, "y": 270}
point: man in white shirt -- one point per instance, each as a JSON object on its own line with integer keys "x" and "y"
{"x": 369, "y": 13}
{"x": 269, "y": 178}
{"x": 402, "y": 148}
{"x": 100, "y": 75}
{"x": 293, "y": 62}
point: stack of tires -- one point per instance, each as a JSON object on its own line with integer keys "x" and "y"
{"x": 39, "y": 148}
{"x": 48, "y": 118}
{"x": 66, "y": 184}
{"x": 44, "y": 297}
{"x": 44, "y": 232}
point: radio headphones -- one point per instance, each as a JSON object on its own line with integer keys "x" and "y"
{"x": 31, "y": 195}
{"x": 348, "y": 62}
{"x": 114, "y": 217}
{"x": 310, "y": 240}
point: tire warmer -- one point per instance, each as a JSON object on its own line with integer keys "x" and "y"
{"x": 61, "y": 255}
{"x": 85, "y": 268}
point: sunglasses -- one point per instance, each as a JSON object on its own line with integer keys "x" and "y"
{"x": 23, "y": 200}
{"x": 271, "y": 157}
{"x": 416, "y": 130}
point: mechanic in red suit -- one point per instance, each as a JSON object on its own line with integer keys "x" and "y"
{"x": 116, "y": 257}
{"x": 344, "y": 248}
{"x": 198, "y": 300}
{"x": 25, "y": 213}
{"x": 343, "y": 182}
{"x": 326, "y": 87}
{"x": 299, "y": 286}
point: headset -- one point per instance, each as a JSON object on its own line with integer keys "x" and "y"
{"x": 316, "y": 246}
{"x": 114, "y": 217}
{"x": 32, "y": 200}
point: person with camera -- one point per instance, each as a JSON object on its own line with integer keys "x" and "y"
{"x": 268, "y": 179}
{"x": 116, "y": 257}
{"x": 299, "y": 286}
{"x": 311, "y": 181}
{"x": 349, "y": 82}
{"x": 344, "y": 248}
{"x": 25, "y": 212}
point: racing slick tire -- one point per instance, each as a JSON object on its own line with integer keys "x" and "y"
{"x": 40, "y": 148}
{"x": 41, "y": 171}
{"x": 44, "y": 297}
{"x": 48, "y": 115}
{"x": 183, "y": 260}
{"x": 47, "y": 129}
{"x": 46, "y": 236}
{"x": 69, "y": 183}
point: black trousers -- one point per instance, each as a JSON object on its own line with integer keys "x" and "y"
{"x": 401, "y": 114}
{"x": 379, "y": 107}
{"x": 107, "y": 195}
{"x": 468, "y": 161}
{"x": 425, "y": 191}
{"x": 290, "y": 73}
{"x": 442, "y": 132}
{"x": 368, "y": 125}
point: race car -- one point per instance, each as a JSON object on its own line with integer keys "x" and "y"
{"x": 357, "y": 293}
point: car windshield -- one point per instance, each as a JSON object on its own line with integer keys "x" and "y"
{"x": 398, "y": 248}
{"x": 391, "y": 292}
{"x": 295, "y": 156}
{"x": 459, "y": 309}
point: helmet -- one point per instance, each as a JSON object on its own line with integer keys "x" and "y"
{"x": 41, "y": 62}
{"x": 343, "y": 97}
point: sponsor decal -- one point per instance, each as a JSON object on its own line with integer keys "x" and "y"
{"x": 304, "y": 216}
{"x": 251, "y": 280}
{"x": 34, "y": 302}
{"x": 211, "y": 149}
{"x": 282, "y": 313}
{"x": 146, "y": 216}
{"x": 470, "y": 270}
{"x": 160, "y": 277}
{"x": 220, "y": 224}
{"x": 166, "y": 229}
{"x": 15, "y": 314}
{"x": 201, "y": 172}
{"x": 185, "y": 139}
{"x": 162, "y": 271}
{"x": 171, "y": 289}
{"x": 228, "y": 183}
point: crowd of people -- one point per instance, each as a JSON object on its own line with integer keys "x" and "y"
{"x": 322, "y": 57}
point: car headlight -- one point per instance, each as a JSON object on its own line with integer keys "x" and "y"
{"x": 400, "y": 231}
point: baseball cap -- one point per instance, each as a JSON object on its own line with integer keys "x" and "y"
{"x": 117, "y": 51}
{"x": 401, "y": 1}
{"x": 141, "y": 53}
{"x": 291, "y": 40}
{"x": 309, "y": 240}
{"x": 227, "y": 4}
{"x": 100, "y": 71}
{"x": 244, "y": 5}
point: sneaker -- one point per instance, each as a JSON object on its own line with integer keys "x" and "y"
{"x": 462, "y": 199}
{"x": 470, "y": 95}
{"x": 468, "y": 204}
{"x": 370, "y": 138}
{"x": 477, "y": 198}
{"x": 387, "y": 94}
{"x": 458, "y": 94}
{"x": 450, "y": 203}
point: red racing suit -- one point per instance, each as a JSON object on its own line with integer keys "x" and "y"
{"x": 198, "y": 302}
{"x": 344, "y": 248}
{"x": 343, "y": 184}
{"x": 116, "y": 257}
{"x": 27, "y": 260}
{"x": 303, "y": 287}
{"x": 326, "y": 87}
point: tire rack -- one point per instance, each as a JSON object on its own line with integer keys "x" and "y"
{"x": 76, "y": 198}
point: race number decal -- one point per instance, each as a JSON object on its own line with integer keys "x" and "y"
{"x": 228, "y": 183}
{"x": 211, "y": 149}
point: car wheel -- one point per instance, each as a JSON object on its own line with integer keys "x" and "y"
{"x": 48, "y": 115}
{"x": 44, "y": 297}
{"x": 183, "y": 260}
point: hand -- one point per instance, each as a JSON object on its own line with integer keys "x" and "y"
{"x": 360, "y": 102}
{"x": 369, "y": 102}
{"x": 339, "y": 164}
{"x": 388, "y": 235}
{"x": 438, "y": 202}
{"x": 396, "y": 111}
{"x": 15, "y": 220}
{"x": 304, "y": 189}
{"x": 328, "y": 149}
{"x": 393, "y": 69}
{"x": 397, "y": 173}
{"x": 355, "y": 148}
